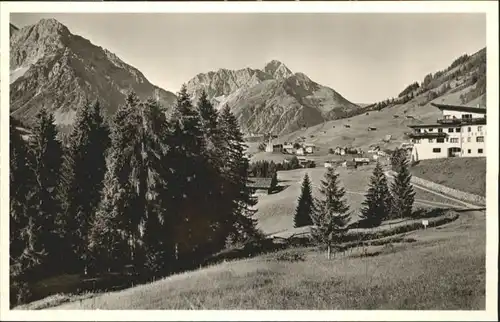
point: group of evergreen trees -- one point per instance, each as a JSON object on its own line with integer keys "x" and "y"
{"x": 330, "y": 213}
{"x": 160, "y": 193}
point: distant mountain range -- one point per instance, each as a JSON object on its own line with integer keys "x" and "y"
{"x": 272, "y": 99}
{"x": 51, "y": 67}
{"x": 54, "y": 68}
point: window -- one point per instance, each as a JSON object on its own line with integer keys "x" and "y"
{"x": 469, "y": 129}
{"x": 480, "y": 151}
{"x": 480, "y": 128}
{"x": 417, "y": 130}
{"x": 450, "y": 130}
{"x": 468, "y": 151}
{"x": 468, "y": 140}
{"x": 440, "y": 130}
{"x": 431, "y": 129}
{"x": 454, "y": 140}
{"x": 480, "y": 139}
{"x": 458, "y": 130}
{"x": 417, "y": 141}
{"x": 440, "y": 140}
{"x": 466, "y": 116}
{"x": 431, "y": 140}
{"x": 436, "y": 150}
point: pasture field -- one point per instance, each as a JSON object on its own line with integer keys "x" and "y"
{"x": 443, "y": 269}
{"x": 465, "y": 174}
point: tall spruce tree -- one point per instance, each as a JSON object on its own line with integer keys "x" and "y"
{"x": 236, "y": 171}
{"x": 377, "y": 203}
{"x": 403, "y": 195}
{"x": 83, "y": 173}
{"x": 219, "y": 205}
{"x": 332, "y": 212}
{"x": 305, "y": 207}
{"x": 47, "y": 161}
{"x": 190, "y": 178}
{"x": 118, "y": 217}
{"x": 21, "y": 189}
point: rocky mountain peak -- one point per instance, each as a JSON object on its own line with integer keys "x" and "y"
{"x": 277, "y": 69}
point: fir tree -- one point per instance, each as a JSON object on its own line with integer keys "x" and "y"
{"x": 274, "y": 180}
{"x": 47, "y": 161}
{"x": 119, "y": 215}
{"x": 21, "y": 187}
{"x": 377, "y": 204}
{"x": 235, "y": 171}
{"x": 305, "y": 207}
{"x": 403, "y": 195}
{"x": 84, "y": 169}
{"x": 190, "y": 179}
{"x": 332, "y": 212}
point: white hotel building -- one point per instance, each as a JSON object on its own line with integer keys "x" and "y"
{"x": 461, "y": 132}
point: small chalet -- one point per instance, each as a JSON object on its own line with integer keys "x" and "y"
{"x": 300, "y": 151}
{"x": 370, "y": 128}
{"x": 309, "y": 147}
{"x": 350, "y": 165}
{"x": 362, "y": 161}
{"x": 274, "y": 147}
{"x": 259, "y": 186}
{"x": 328, "y": 164}
{"x": 288, "y": 148}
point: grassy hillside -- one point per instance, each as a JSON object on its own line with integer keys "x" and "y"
{"x": 275, "y": 211}
{"x": 443, "y": 269}
{"x": 465, "y": 174}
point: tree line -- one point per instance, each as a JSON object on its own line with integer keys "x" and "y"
{"x": 121, "y": 192}
{"x": 330, "y": 215}
{"x": 266, "y": 169}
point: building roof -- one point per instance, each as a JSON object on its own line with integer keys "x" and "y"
{"x": 259, "y": 183}
{"x": 350, "y": 163}
{"x": 460, "y": 108}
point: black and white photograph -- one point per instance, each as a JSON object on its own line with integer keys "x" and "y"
{"x": 335, "y": 161}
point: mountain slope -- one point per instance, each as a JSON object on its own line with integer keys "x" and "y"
{"x": 462, "y": 83}
{"x": 54, "y": 68}
{"x": 273, "y": 99}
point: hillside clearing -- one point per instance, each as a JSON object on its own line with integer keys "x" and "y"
{"x": 465, "y": 174}
{"x": 443, "y": 270}
{"x": 275, "y": 211}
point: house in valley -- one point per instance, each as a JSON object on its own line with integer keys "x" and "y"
{"x": 350, "y": 164}
{"x": 288, "y": 148}
{"x": 309, "y": 147}
{"x": 259, "y": 186}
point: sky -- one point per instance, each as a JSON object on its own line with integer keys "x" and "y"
{"x": 366, "y": 57}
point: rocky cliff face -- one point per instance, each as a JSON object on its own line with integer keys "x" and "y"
{"x": 51, "y": 67}
{"x": 272, "y": 100}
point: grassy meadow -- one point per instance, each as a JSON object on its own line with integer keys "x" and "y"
{"x": 443, "y": 269}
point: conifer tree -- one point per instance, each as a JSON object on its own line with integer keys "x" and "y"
{"x": 403, "y": 195}
{"x": 332, "y": 212}
{"x": 190, "y": 179}
{"x": 274, "y": 180}
{"x": 83, "y": 173}
{"x": 47, "y": 161}
{"x": 119, "y": 214}
{"x": 236, "y": 171}
{"x": 377, "y": 204}
{"x": 21, "y": 189}
{"x": 305, "y": 207}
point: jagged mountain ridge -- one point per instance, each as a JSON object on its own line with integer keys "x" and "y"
{"x": 54, "y": 68}
{"x": 273, "y": 99}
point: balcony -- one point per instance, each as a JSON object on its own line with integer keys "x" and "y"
{"x": 473, "y": 121}
{"x": 416, "y": 135}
